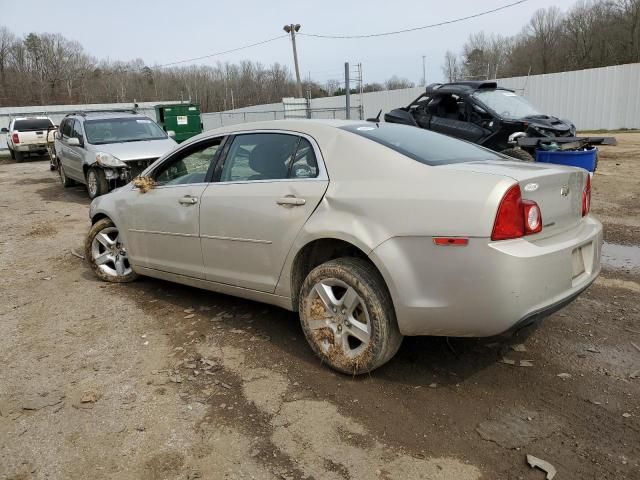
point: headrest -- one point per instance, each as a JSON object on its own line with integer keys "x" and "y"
{"x": 269, "y": 159}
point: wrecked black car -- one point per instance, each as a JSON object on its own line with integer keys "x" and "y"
{"x": 494, "y": 117}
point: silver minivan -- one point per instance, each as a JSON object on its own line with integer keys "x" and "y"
{"x": 105, "y": 150}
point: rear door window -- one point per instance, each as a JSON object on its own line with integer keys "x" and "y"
{"x": 422, "y": 145}
{"x": 260, "y": 156}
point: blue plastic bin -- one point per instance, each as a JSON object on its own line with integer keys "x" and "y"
{"x": 587, "y": 159}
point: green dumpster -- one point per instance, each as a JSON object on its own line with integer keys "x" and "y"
{"x": 182, "y": 118}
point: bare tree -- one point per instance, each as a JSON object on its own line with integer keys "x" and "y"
{"x": 396, "y": 83}
{"x": 451, "y": 67}
{"x": 544, "y": 30}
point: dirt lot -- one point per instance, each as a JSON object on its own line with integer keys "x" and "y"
{"x": 153, "y": 380}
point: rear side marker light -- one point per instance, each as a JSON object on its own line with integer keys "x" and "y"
{"x": 451, "y": 241}
{"x": 586, "y": 196}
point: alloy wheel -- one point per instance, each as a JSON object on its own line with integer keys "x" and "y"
{"x": 109, "y": 254}
{"x": 339, "y": 318}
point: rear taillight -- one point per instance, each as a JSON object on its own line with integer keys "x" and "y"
{"x": 516, "y": 217}
{"x": 15, "y": 138}
{"x": 586, "y": 196}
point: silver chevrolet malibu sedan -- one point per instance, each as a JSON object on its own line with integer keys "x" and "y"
{"x": 370, "y": 231}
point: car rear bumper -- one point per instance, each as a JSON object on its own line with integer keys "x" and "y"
{"x": 486, "y": 288}
{"x": 31, "y": 147}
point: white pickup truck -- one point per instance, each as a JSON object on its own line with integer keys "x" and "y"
{"x": 27, "y": 135}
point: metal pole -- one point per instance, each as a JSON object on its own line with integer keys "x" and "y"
{"x": 360, "y": 82}
{"x": 347, "y": 96}
{"x": 424, "y": 71}
{"x": 295, "y": 58}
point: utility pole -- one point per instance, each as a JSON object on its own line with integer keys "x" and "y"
{"x": 347, "y": 95}
{"x": 424, "y": 71}
{"x": 292, "y": 29}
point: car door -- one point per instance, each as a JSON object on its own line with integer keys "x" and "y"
{"x": 61, "y": 142}
{"x": 75, "y": 153}
{"x": 264, "y": 190}
{"x": 163, "y": 223}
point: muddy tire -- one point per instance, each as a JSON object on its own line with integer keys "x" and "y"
{"x": 19, "y": 156}
{"x": 106, "y": 253}
{"x": 348, "y": 317}
{"x": 97, "y": 183}
{"x": 66, "y": 181}
{"x": 12, "y": 154}
{"x": 518, "y": 153}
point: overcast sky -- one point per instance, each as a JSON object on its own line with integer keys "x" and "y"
{"x": 163, "y": 31}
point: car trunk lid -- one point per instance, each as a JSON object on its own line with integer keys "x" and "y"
{"x": 555, "y": 188}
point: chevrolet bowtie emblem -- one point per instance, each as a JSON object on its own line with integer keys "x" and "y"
{"x": 564, "y": 191}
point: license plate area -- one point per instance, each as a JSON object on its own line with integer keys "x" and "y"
{"x": 577, "y": 262}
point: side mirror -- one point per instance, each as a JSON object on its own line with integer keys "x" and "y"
{"x": 73, "y": 142}
{"x": 171, "y": 134}
{"x": 4, "y": 130}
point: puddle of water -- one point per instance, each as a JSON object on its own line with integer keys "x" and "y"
{"x": 623, "y": 257}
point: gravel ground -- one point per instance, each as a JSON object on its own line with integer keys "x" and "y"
{"x": 153, "y": 380}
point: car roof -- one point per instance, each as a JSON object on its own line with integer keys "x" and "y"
{"x": 466, "y": 86}
{"x": 39, "y": 117}
{"x": 105, "y": 114}
{"x": 302, "y": 125}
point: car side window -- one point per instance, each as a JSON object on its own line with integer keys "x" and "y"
{"x": 77, "y": 130}
{"x": 66, "y": 128}
{"x": 190, "y": 166}
{"x": 259, "y": 156}
{"x": 304, "y": 164}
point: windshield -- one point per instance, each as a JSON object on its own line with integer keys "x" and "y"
{"x": 32, "y": 124}
{"x": 507, "y": 104}
{"x": 120, "y": 130}
{"x": 421, "y": 145}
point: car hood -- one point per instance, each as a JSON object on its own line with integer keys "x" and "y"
{"x": 141, "y": 150}
{"x": 547, "y": 122}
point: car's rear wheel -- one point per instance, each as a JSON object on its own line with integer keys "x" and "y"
{"x": 106, "y": 253}
{"x": 66, "y": 181}
{"x": 96, "y": 183}
{"x": 12, "y": 154}
{"x": 18, "y": 156}
{"x": 348, "y": 317}
{"x": 518, "y": 153}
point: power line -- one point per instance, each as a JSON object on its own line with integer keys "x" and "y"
{"x": 222, "y": 53}
{"x": 406, "y": 30}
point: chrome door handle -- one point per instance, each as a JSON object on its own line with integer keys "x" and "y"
{"x": 188, "y": 200}
{"x": 291, "y": 201}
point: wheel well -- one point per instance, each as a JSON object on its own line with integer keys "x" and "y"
{"x": 97, "y": 217}
{"x": 316, "y": 253}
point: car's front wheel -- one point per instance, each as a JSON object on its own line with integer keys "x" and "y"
{"x": 348, "y": 317}
{"x": 96, "y": 183}
{"x": 107, "y": 254}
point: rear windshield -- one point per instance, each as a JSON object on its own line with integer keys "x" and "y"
{"x": 424, "y": 146}
{"x": 32, "y": 124}
{"x": 119, "y": 130}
